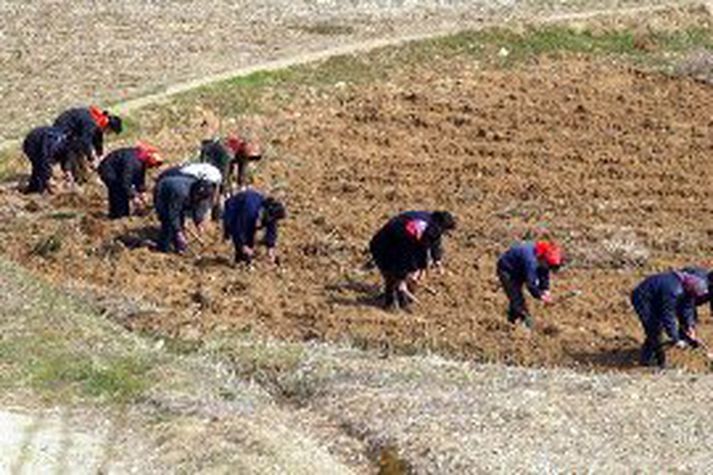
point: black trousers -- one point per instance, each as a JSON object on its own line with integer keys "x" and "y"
{"x": 517, "y": 309}
{"x": 119, "y": 202}
{"x": 40, "y": 175}
{"x": 652, "y": 351}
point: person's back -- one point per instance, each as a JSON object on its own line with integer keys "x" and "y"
{"x": 241, "y": 214}
{"x": 172, "y": 194}
{"x": 44, "y": 146}
{"x": 118, "y": 163}
{"x": 658, "y": 290}
{"x": 518, "y": 260}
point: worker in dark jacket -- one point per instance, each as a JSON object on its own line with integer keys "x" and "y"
{"x": 528, "y": 265}
{"x": 123, "y": 172}
{"x": 174, "y": 198}
{"x": 247, "y": 212}
{"x": 405, "y": 247}
{"x": 666, "y": 302}
{"x": 86, "y": 127}
{"x": 44, "y": 147}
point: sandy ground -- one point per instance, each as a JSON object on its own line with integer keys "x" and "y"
{"x": 53, "y": 56}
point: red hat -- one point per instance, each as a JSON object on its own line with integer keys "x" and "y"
{"x": 148, "y": 154}
{"x": 550, "y": 252}
{"x": 99, "y": 117}
{"x": 235, "y": 144}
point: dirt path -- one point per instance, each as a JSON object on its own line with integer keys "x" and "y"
{"x": 53, "y": 57}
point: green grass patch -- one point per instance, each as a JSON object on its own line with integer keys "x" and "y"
{"x": 325, "y": 29}
{"x": 62, "y": 350}
{"x": 118, "y": 379}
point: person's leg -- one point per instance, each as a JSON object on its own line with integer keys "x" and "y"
{"x": 123, "y": 207}
{"x": 517, "y": 308}
{"x": 38, "y": 180}
{"x": 652, "y": 352}
{"x": 391, "y": 284}
{"x": 164, "y": 239}
{"x": 114, "y": 198}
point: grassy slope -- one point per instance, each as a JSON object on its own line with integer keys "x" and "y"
{"x": 57, "y": 350}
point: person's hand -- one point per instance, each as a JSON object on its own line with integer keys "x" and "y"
{"x": 438, "y": 265}
{"x": 248, "y": 251}
{"x": 272, "y": 256}
{"x": 181, "y": 242}
{"x": 547, "y": 298}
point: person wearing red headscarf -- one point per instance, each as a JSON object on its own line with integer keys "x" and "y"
{"x": 86, "y": 127}
{"x": 528, "y": 265}
{"x": 231, "y": 156}
{"x": 123, "y": 172}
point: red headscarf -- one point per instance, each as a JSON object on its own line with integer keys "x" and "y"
{"x": 235, "y": 144}
{"x": 550, "y": 252}
{"x": 99, "y": 117}
{"x": 148, "y": 154}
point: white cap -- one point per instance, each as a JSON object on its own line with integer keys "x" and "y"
{"x": 203, "y": 171}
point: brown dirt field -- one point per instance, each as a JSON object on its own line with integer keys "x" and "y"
{"x": 611, "y": 161}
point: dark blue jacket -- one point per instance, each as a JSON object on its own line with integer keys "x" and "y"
{"x": 240, "y": 219}
{"x": 660, "y": 301}
{"x": 398, "y": 252}
{"x": 45, "y": 144}
{"x": 85, "y": 134}
{"x": 172, "y": 200}
{"x": 123, "y": 168}
{"x": 521, "y": 264}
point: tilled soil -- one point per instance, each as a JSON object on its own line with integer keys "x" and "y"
{"x": 610, "y": 161}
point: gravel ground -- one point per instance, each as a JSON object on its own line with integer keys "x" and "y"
{"x": 53, "y": 55}
{"x": 446, "y": 417}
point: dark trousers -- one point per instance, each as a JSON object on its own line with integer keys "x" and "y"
{"x": 40, "y": 175}
{"x": 240, "y": 256}
{"x": 168, "y": 239}
{"x": 119, "y": 203}
{"x": 393, "y": 296}
{"x": 652, "y": 351}
{"x": 517, "y": 309}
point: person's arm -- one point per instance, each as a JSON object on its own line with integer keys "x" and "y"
{"x": 98, "y": 142}
{"x": 688, "y": 317}
{"x": 126, "y": 176}
{"x": 668, "y": 317}
{"x": 532, "y": 279}
{"x": 271, "y": 240}
{"x": 436, "y": 251}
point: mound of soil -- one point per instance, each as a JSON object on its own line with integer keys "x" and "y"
{"x": 612, "y": 162}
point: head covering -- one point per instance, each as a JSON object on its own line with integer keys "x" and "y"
{"x": 148, "y": 154}
{"x": 235, "y": 144}
{"x": 549, "y": 252}
{"x": 693, "y": 285}
{"x": 100, "y": 117}
{"x": 415, "y": 228}
{"x": 203, "y": 171}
